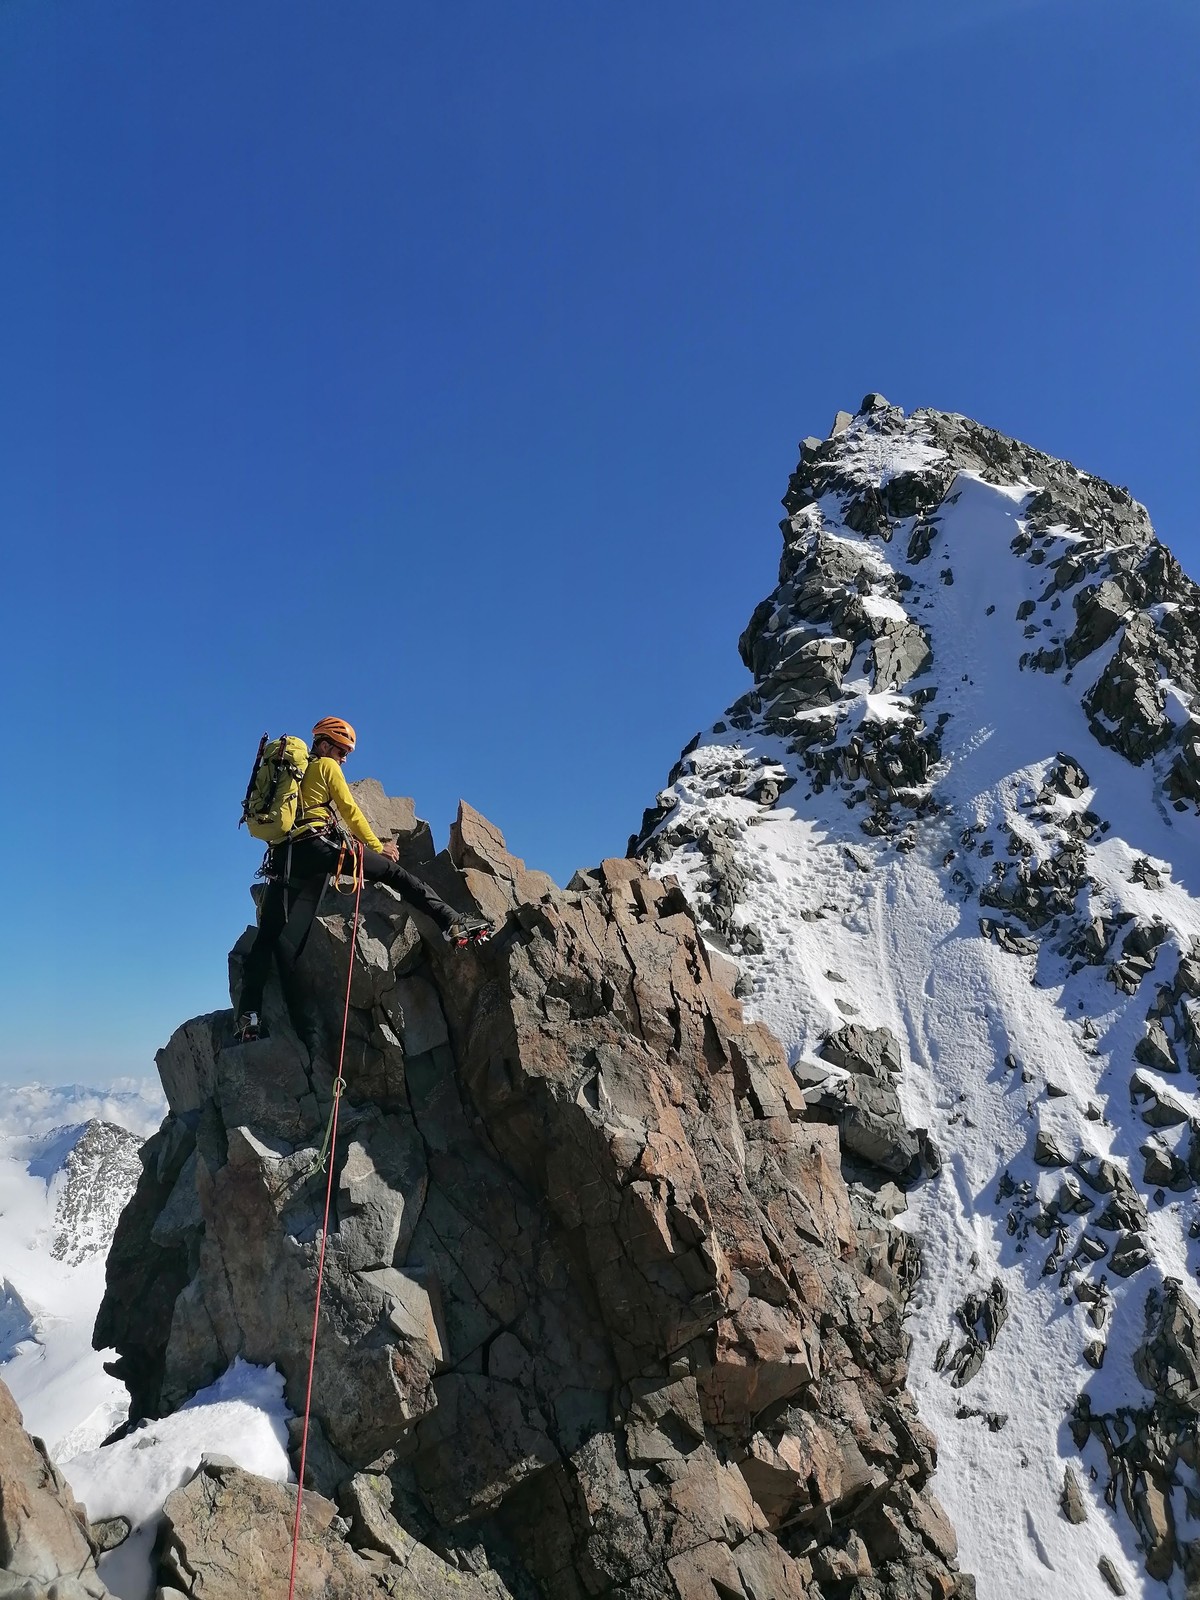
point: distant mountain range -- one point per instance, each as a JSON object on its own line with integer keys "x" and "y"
{"x": 68, "y": 1164}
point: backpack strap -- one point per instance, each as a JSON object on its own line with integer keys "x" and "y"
{"x": 262, "y": 745}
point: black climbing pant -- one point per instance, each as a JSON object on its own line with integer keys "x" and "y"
{"x": 312, "y": 860}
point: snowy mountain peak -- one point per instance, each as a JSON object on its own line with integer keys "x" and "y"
{"x": 68, "y": 1164}
{"x": 101, "y": 1172}
{"x": 949, "y": 836}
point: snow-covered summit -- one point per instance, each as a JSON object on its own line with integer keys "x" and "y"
{"x": 950, "y": 837}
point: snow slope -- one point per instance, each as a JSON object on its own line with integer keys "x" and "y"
{"x": 242, "y": 1416}
{"x": 68, "y": 1163}
{"x": 895, "y": 925}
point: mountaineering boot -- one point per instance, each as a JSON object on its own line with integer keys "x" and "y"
{"x": 467, "y": 930}
{"x": 248, "y": 1027}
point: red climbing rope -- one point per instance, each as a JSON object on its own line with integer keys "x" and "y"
{"x": 338, "y": 1086}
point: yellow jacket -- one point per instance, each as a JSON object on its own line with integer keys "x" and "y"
{"x": 322, "y": 788}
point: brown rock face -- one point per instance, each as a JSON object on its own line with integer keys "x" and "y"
{"x": 228, "y": 1534}
{"x": 236, "y": 1529}
{"x": 597, "y": 1320}
{"x": 42, "y": 1530}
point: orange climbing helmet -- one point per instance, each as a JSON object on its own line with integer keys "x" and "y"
{"x": 336, "y": 730}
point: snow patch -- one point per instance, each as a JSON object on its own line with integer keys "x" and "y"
{"x": 242, "y": 1415}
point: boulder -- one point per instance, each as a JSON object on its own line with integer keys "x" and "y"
{"x": 898, "y": 654}
{"x": 1156, "y": 1108}
{"x": 1163, "y": 1168}
{"x": 1130, "y": 1254}
{"x": 1048, "y": 1150}
{"x": 1153, "y": 1049}
{"x": 1125, "y": 1208}
{"x": 1074, "y": 1505}
{"x": 1111, "y": 1576}
{"x": 1015, "y": 943}
{"x": 108, "y": 1534}
{"x": 873, "y": 1129}
{"x": 228, "y": 1533}
{"x": 1168, "y": 1359}
{"x": 1069, "y": 777}
{"x": 873, "y": 1051}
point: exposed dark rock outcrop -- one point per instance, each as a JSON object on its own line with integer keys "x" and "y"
{"x": 597, "y": 1319}
{"x": 1152, "y": 1450}
{"x": 866, "y": 1104}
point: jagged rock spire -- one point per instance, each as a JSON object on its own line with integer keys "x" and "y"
{"x": 597, "y": 1319}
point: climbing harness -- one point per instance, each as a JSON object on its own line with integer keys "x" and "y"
{"x": 327, "y": 1149}
{"x": 356, "y": 851}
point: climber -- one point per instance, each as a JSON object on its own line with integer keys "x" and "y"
{"x": 314, "y": 849}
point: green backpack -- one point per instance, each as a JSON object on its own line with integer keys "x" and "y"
{"x": 273, "y": 793}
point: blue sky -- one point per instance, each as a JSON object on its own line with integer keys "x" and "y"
{"x": 441, "y": 367}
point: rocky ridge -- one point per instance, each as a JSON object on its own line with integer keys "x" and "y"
{"x": 1017, "y": 922}
{"x": 46, "y": 1552}
{"x": 599, "y": 1320}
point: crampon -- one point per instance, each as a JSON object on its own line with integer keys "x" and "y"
{"x": 468, "y": 930}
